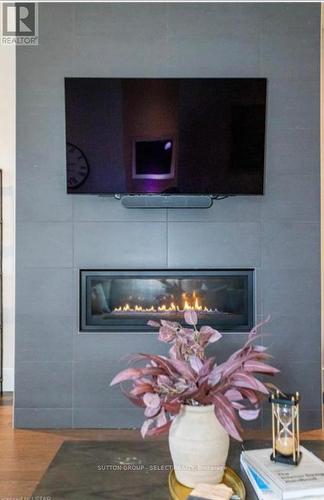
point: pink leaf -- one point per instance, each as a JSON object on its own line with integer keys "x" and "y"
{"x": 206, "y": 368}
{"x": 159, "y": 430}
{"x": 273, "y": 388}
{"x": 164, "y": 380}
{"x": 233, "y": 395}
{"x": 155, "y": 360}
{"x": 183, "y": 368}
{"x": 250, "y": 395}
{"x": 137, "y": 401}
{"x": 161, "y": 418}
{"x": 152, "y": 400}
{"x": 173, "y": 352}
{"x": 172, "y": 406}
{"x": 232, "y": 366}
{"x": 226, "y": 416}
{"x": 166, "y": 334}
{"x": 250, "y": 340}
{"x": 195, "y": 363}
{"x": 141, "y": 389}
{"x": 151, "y": 371}
{"x": 161, "y": 361}
{"x": 151, "y": 411}
{"x": 145, "y": 427}
{"x": 215, "y": 375}
{"x": 255, "y": 329}
{"x": 214, "y": 335}
{"x": 258, "y": 355}
{"x": 235, "y": 355}
{"x": 151, "y": 322}
{"x": 153, "y": 404}
{"x": 249, "y": 414}
{"x": 191, "y": 317}
{"x": 257, "y": 366}
{"x": 237, "y": 406}
{"x": 202, "y": 394}
{"x": 171, "y": 324}
{"x": 128, "y": 374}
{"x": 242, "y": 379}
{"x": 189, "y": 392}
{"x": 143, "y": 380}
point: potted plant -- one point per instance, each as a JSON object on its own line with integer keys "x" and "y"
{"x": 196, "y": 400}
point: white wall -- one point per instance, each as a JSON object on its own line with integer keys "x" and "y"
{"x": 7, "y": 164}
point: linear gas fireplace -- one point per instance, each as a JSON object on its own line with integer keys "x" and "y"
{"x": 112, "y": 300}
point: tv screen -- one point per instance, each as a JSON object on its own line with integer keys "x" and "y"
{"x": 165, "y": 135}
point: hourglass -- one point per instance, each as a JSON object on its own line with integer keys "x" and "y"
{"x": 285, "y": 428}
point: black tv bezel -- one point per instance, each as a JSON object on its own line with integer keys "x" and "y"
{"x": 213, "y": 195}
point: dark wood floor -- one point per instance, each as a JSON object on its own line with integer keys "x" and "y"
{"x": 25, "y": 454}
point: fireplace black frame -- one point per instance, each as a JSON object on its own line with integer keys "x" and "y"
{"x": 84, "y": 307}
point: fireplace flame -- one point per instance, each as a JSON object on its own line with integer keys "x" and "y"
{"x": 192, "y": 303}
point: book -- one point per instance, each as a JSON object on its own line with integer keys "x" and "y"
{"x": 260, "y": 487}
{"x": 305, "y": 480}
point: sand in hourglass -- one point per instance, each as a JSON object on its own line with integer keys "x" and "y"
{"x": 285, "y": 446}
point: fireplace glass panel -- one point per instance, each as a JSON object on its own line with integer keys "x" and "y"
{"x": 125, "y": 301}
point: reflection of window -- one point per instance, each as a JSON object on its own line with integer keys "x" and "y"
{"x": 153, "y": 158}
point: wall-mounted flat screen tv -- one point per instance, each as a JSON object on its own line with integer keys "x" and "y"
{"x": 165, "y": 135}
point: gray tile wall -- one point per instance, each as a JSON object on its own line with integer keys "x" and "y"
{"x": 62, "y": 377}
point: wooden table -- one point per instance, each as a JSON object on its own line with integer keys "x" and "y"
{"x": 125, "y": 470}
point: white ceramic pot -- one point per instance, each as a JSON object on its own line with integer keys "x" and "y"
{"x": 198, "y": 446}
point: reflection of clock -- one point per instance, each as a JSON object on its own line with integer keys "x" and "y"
{"x": 77, "y": 166}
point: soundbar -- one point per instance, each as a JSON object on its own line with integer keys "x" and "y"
{"x": 166, "y": 201}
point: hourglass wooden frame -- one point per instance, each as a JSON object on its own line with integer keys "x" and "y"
{"x": 278, "y": 400}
